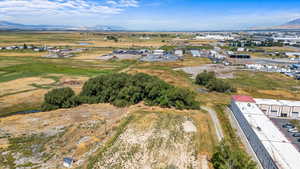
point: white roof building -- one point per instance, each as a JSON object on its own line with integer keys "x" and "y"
{"x": 178, "y": 52}
{"x": 283, "y": 153}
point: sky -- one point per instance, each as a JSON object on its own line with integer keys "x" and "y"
{"x": 153, "y": 15}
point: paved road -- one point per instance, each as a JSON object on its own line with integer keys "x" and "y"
{"x": 216, "y": 122}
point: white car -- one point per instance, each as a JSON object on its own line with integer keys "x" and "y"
{"x": 293, "y": 130}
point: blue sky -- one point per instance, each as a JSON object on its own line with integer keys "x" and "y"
{"x": 153, "y": 14}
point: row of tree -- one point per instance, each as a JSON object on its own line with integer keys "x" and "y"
{"x": 122, "y": 90}
{"x": 212, "y": 83}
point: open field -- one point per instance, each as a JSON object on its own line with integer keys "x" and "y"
{"x": 75, "y": 38}
{"x": 280, "y": 49}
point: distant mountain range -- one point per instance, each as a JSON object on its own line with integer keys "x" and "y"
{"x": 4, "y": 25}
{"x": 292, "y": 25}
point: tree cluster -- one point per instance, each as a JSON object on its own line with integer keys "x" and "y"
{"x": 123, "y": 90}
{"x": 226, "y": 156}
{"x": 112, "y": 38}
{"x": 212, "y": 83}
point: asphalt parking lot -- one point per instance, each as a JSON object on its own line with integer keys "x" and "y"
{"x": 279, "y": 123}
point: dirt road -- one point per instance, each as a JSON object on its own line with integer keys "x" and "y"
{"x": 216, "y": 122}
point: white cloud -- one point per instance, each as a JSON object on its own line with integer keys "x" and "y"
{"x": 24, "y": 9}
{"x": 128, "y": 3}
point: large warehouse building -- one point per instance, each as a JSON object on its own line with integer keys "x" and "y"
{"x": 279, "y": 108}
{"x": 270, "y": 145}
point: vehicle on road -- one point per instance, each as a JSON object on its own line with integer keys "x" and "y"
{"x": 293, "y": 130}
{"x": 296, "y": 135}
{"x": 288, "y": 125}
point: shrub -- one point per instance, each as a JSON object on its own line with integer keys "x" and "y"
{"x": 204, "y": 77}
{"x": 226, "y": 156}
{"x": 48, "y": 107}
{"x": 58, "y": 98}
{"x": 209, "y": 80}
{"x": 179, "y": 98}
{"x": 219, "y": 85}
{"x": 105, "y": 87}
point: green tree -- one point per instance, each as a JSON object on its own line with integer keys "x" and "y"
{"x": 204, "y": 77}
{"x": 226, "y": 156}
{"x": 58, "y": 98}
{"x": 219, "y": 85}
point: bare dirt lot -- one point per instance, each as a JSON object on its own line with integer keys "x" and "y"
{"x": 43, "y": 139}
{"x": 221, "y": 71}
{"x": 154, "y": 138}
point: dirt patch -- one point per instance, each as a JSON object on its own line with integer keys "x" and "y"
{"x": 48, "y": 137}
{"x": 91, "y": 55}
{"x": 189, "y": 127}
{"x": 163, "y": 145}
{"x": 75, "y": 82}
{"x": 221, "y": 71}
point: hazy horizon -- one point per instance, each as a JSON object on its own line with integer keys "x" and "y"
{"x": 163, "y": 15}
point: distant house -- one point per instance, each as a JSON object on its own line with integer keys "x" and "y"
{"x": 158, "y": 52}
{"x": 241, "y": 49}
{"x": 178, "y": 53}
{"x": 68, "y": 162}
{"x": 195, "y": 53}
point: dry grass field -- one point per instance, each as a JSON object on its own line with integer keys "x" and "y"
{"x": 280, "y": 49}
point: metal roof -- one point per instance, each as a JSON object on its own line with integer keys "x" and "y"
{"x": 282, "y": 151}
{"x": 278, "y": 102}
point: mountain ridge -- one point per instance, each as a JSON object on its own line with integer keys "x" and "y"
{"x": 291, "y": 25}
{"x": 6, "y": 25}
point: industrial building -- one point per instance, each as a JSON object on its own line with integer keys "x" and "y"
{"x": 279, "y": 108}
{"x": 271, "y": 147}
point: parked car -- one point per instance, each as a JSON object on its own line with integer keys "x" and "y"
{"x": 299, "y": 140}
{"x": 292, "y": 130}
{"x": 288, "y": 125}
{"x": 296, "y": 135}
